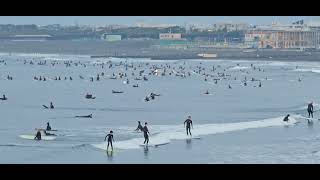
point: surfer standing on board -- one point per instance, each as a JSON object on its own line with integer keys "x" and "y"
{"x": 110, "y": 139}
{"x": 310, "y": 109}
{"x": 146, "y": 134}
{"x": 189, "y": 124}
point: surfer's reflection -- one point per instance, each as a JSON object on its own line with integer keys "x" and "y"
{"x": 189, "y": 144}
{"x": 310, "y": 124}
{"x": 110, "y": 155}
{"x": 146, "y": 151}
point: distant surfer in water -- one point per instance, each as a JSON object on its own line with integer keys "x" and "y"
{"x": 146, "y": 134}
{"x": 110, "y": 139}
{"x": 48, "y": 127}
{"x": 139, "y": 127}
{"x": 88, "y": 116}
{"x": 286, "y": 119}
{"x": 189, "y": 124}
{"x": 310, "y": 109}
{"x": 38, "y": 135}
{"x": 51, "y": 105}
{"x": 4, "y": 98}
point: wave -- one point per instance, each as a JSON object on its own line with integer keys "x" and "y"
{"x": 239, "y": 67}
{"x": 177, "y": 132}
{"x": 308, "y": 70}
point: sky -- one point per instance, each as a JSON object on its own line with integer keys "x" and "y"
{"x": 132, "y": 20}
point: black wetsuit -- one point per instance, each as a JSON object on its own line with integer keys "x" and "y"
{"x": 189, "y": 123}
{"x": 110, "y": 139}
{"x": 310, "y": 110}
{"x": 139, "y": 128}
{"x": 146, "y": 136}
{"x": 48, "y": 127}
{"x": 38, "y": 136}
{"x": 286, "y": 118}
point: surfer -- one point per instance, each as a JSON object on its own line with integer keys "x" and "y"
{"x": 145, "y": 134}
{"x": 48, "y": 127}
{"x": 207, "y": 92}
{"x": 286, "y": 119}
{"x": 4, "y": 98}
{"x": 51, "y": 105}
{"x": 189, "y": 122}
{"x": 110, "y": 139}
{"x": 152, "y": 96}
{"x": 310, "y": 109}
{"x": 38, "y": 135}
{"x": 139, "y": 127}
{"x": 88, "y": 116}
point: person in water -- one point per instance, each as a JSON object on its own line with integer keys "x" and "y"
{"x": 51, "y": 105}
{"x": 110, "y": 139}
{"x": 146, "y": 134}
{"x": 48, "y": 127}
{"x": 139, "y": 127}
{"x": 310, "y": 109}
{"x": 38, "y": 135}
{"x": 189, "y": 124}
{"x": 286, "y": 119}
{"x": 88, "y": 116}
{"x": 4, "y": 97}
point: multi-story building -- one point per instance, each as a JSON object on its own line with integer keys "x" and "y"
{"x": 230, "y": 26}
{"x": 283, "y": 36}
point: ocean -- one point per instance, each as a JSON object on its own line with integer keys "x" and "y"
{"x": 239, "y": 125}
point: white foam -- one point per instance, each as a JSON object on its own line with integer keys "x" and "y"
{"x": 239, "y": 67}
{"x": 177, "y": 132}
{"x": 308, "y": 70}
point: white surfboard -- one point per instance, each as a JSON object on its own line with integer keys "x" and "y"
{"x": 31, "y": 137}
{"x": 153, "y": 145}
{"x": 309, "y": 119}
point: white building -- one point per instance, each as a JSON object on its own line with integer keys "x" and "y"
{"x": 230, "y": 26}
{"x": 111, "y": 37}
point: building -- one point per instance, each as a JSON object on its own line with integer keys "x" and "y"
{"x": 111, "y": 37}
{"x": 295, "y": 36}
{"x": 230, "y": 27}
{"x": 170, "y": 36}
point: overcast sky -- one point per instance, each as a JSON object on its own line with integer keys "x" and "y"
{"x": 132, "y": 20}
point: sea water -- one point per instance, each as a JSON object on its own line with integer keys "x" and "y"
{"x": 239, "y": 125}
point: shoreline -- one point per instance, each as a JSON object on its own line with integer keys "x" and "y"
{"x": 148, "y": 49}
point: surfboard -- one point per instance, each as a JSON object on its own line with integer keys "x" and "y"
{"x": 310, "y": 119}
{"x": 46, "y": 107}
{"x": 193, "y": 137}
{"x": 153, "y": 145}
{"x": 31, "y": 137}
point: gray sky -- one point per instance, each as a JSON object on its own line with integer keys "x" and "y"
{"x": 131, "y": 20}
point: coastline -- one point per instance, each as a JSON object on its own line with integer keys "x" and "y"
{"x": 147, "y": 49}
